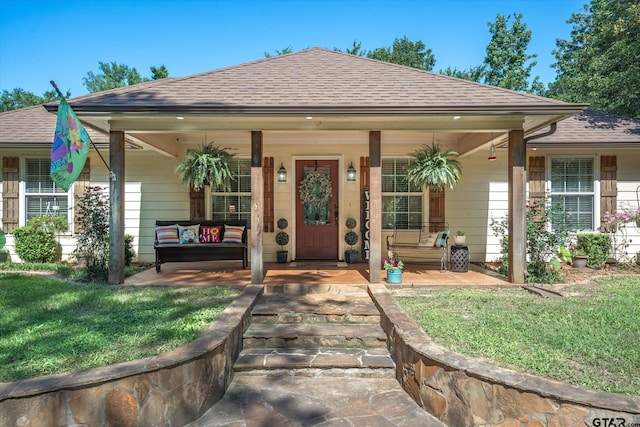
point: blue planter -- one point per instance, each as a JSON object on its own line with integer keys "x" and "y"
{"x": 394, "y": 277}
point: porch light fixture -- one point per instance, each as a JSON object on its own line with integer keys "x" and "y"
{"x": 492, "y": 153}
{"x": 351, "y": 173}
{"x": 282, "y": 173}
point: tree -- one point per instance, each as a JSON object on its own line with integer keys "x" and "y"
{"x": 506, "y": 54}
{"x": 115, "y": 75}
{"x": 20, "y": 98}
{"x": 475, "y": 74}
{"x": 599, "y": 64}
{"x": 406, "y": 52}
{"x": 356, "y": 49}
{"x": 284, "y": 51}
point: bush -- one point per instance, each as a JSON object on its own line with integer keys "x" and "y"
{"x": 597, "y": 248}
{"x": 93, "y": 236}
{"x": 36, "y": 242}
{"x": 129, "y": 253}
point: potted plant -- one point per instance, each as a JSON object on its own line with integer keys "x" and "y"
{"x": 434, "y": 168}
{"x": 394, "y": 267}
{"x": 208, "y": 165}
{"x": 282, "y": 239}
{"x": 351, "y": 256}
{"x": 4, "y": 253}
{"x": 459, "y": 239}
{"x": 578, "y": 256}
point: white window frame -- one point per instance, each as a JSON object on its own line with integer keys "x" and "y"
{"x": 24, "y": 194}
{"x": 402, "y": 194}
{"x": 213, "y": 194}
{"x": 596, "y": 186}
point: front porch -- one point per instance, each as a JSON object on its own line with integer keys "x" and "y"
{"x": 209, "y": 273}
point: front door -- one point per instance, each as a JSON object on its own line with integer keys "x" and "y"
{"x": 317, "y": 209}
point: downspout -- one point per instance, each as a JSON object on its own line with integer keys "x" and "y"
{"x": 551, "y": 131}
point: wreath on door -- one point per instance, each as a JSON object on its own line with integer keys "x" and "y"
{"x": 315, "y": 189}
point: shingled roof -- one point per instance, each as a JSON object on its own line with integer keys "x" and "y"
{"x": 593, "y": 128}
{"x": 316, "y": 80}
{"x": 35, "y": 126}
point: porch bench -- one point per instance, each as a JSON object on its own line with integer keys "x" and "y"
{"x": 168, "y": 250}
{"x": 431, "y": 239}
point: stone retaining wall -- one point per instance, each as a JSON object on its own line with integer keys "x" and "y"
{"x": 462, "y": 391}
{"x": 171, "y": 389}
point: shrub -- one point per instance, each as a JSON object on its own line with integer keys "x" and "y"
{"x": 543, "y": 244}
{"x": 129, "y": 253}
{"x": 93, "y": 236}
{"x": 36, "y": 242}
{"x": 597, "y": 248}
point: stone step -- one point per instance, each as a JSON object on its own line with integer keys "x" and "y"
{"x": 304, "y": 289}
{"x": 321, "y": 358}
{"x": 316, "y": 308}
{"x": 314, "y": 335}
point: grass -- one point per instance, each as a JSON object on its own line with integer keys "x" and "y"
{"x": 590, "y": 338}
{"x": 51, "y": 326}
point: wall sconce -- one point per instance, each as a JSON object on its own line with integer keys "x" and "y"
{"x": 492, "y": 153}
{"x": 282, "y": 174}
{"x": 351, "y": 173}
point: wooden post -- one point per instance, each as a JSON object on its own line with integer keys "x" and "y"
{"x": 375, "y": 207}
{"x": 257, "y": 208}
{"x": 517, "y": 206}
{"x": 116, "y": 208}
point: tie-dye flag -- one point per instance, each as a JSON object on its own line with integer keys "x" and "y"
{"x": 70, "y": 146}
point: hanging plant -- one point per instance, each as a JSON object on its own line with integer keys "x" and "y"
{"x": 315, "y": 189}
{"x": 208, "y": 165}
{"x": 433, "y": 168}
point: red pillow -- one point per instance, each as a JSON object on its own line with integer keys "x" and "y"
{"x": 210, "y": 233}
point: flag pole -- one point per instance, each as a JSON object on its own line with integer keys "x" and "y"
{"x": 55, "y": 86}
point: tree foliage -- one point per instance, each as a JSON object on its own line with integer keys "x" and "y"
{"x": 474, "y": 74}
{"x": 282, "y": 51}
{"x": 507, "y": 57}
{"x": 113, "y": 75}
{"x": 599, "y": 64}
{"x": 20, "y": 98}
{"x": 405, "y": 52}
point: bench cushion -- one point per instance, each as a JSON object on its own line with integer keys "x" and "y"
{"x": 167, "y": 234}
{"x": 232, "y": 234}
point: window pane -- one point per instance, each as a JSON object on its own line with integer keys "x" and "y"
{"x": 401, "y": 202}
{"x": 575, "y": 212}
{"x": 572, "y": 186}
{"x": 46, "y": 205}
{"x": 38, "y": 177}
{"x": 235, "y": 204}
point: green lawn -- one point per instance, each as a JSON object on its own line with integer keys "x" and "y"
{"x": 590, "y": 338}
{"x": 51, "y": 326}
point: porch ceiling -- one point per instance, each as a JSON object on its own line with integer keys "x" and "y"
{"x": 168, "y": 134}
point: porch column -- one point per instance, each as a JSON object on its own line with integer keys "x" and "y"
{"x": 257, "y": 208}
{"x": 517, "y": 211}
{"x": 375, "y": 207}
{"x": 116, "y": 207}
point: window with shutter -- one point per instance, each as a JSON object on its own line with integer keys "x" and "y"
{"x": 236, "y": 203}
{"x": 42, "y": 195}
{"x": 573, "y": 192}
{"x": 401, "y": 201}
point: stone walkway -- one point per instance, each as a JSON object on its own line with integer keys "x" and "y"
{"x": 315, "y": 356}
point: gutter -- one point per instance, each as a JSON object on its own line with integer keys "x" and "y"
{"x": 551, "y": 131}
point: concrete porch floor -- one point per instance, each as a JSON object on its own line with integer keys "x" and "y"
{"x": 230, "y": 273}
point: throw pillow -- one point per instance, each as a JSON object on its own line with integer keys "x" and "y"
{"x": 210, "y": 233}
{"x": 189, "y": 233}
{"x": 232, "y": 234}
{"x": 429, "y": 240}
{"x": 167, "y": 234}
{"x": 441, "y": 239}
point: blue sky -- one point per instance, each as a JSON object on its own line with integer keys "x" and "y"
{"x": 42, "y": 40}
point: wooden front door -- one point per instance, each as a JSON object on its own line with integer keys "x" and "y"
{"x": 317, "y": 224}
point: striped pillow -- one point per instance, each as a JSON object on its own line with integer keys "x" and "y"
{"x": 167, "y": 234}
{"x": 441, "y": 239}
{"x": 232, "y": 234}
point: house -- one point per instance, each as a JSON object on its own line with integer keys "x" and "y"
{"x": 323, "y": 110}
